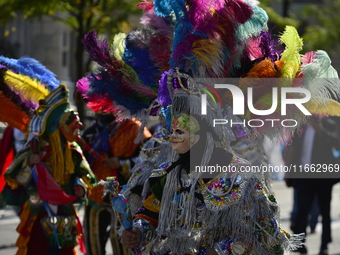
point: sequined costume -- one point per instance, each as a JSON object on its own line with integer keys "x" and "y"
{"x": 234, "y": 212}
{"x": 154, "y": 152}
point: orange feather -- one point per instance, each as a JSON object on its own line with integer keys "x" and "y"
{"x": 12, "y": 114}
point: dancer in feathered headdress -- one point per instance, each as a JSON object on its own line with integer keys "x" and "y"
{"x": 187, "y": 211}
{"x": 50, "y": 173}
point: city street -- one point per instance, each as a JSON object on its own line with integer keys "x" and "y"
{"x": 284, "y": 195}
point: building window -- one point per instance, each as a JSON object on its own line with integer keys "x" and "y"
{"x": 64, "y": 58}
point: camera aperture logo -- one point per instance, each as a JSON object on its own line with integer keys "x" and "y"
{"x": 239, "y": 106}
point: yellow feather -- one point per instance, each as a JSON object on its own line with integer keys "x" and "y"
{"x": 291, "y": 55}
{"x": 117, "y": 51}
{"x": 207, "y": 51}
{"x": 29, "y": 89}
{"x": 330, "y": 107}
{"x": 117, "y": 47}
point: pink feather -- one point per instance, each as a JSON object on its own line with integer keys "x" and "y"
{"x": 146, "y": 6}
{"x": 254, "y": 49}
{"x": 308, "y": 58}
{"x": 83, "y": 85}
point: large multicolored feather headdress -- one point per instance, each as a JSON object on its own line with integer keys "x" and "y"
{"x": 200, "y": 38}
{"x": 206, "y": 39}
{"x": 32, "y": 98}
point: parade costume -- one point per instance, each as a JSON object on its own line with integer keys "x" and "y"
{"x": 108, "y": 138}
{"x": 203, "y": 42}
{"x": 153, "y": 153}
{"x": 48, "y": 174}
{"x": 186, "y": 204}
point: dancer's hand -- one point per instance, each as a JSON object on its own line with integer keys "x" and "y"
{"x": 131, "y": 239}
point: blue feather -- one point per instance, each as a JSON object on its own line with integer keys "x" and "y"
{"x": 254, "y": 26}
{"x": 32, "y": 68}
{"x": 105, "y": 84}
{"x": 138, "y": 58}
{"x": 162, "y": 8}
{"x": 183, "y": 26}
{"x": 250, "y": 29}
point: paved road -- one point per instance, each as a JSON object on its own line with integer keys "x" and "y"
{"x": 9, "y": 221}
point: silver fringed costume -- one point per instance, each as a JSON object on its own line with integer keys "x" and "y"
{"x": 190, "y": 209}
{"x": 236, "y": 216}
{"x": 153, "y": 153}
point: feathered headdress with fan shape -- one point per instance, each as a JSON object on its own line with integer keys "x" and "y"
{"x": 206, "y": 39}
{"x": 200, "y": 38}
{"x": 31, "y": 97}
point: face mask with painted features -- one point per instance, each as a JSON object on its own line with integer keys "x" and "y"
{"x": 183, "y": 133}
{"x": 70, "y": 126}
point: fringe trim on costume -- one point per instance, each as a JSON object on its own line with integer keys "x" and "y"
{"x": 217, "y": 223}
{"x": 62, "y": 162}
{"x": 295, "y": 241}
{"x": 141, "y": 172}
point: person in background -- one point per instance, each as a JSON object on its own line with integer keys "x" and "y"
{"x": 115, "y": 153}
{"x": 314, "y": 213}
{"x": 314, "y": 146}
{"x": 11, "y": 143}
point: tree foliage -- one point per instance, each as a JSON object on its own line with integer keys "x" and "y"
{"x": 323, "y": 30}
{"x": 276, "y": 19}
{"x": 104, "y": 16}
{"x": 81, "y": 16}
{"x": 318, "y": 24}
